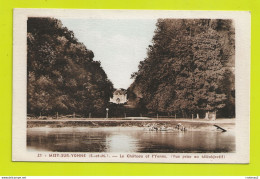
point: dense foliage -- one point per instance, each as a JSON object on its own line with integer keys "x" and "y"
{"x": 61, "y": 74}
{"x": 189, "y": 68}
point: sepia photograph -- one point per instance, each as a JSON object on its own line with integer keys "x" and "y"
{"x": 128, "y": 89}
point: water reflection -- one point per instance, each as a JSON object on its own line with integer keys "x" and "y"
{"x": 119, "y": 143}
{"x": 126, "y": 139}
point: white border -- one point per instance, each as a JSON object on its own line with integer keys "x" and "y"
{"x": 242, "y": 21}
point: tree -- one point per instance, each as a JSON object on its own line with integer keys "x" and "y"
{"x": 187, "y": 68}
{"x": 208, "y": 72}
{"x": 61, "y": 73}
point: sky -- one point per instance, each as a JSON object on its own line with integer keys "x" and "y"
{"x": 119, "y": 44}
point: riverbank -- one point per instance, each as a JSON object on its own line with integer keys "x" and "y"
{"x": 195, "y": 124}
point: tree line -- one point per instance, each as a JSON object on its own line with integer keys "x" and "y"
{"x": 189, "y": 69}
{"x": 61, "y": 73}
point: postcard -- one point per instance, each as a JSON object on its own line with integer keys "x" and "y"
{"x": 150, "y": 86}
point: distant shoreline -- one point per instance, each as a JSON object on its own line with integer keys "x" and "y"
{"x": 195, "y": 124}
{"x": 221, "y": 120}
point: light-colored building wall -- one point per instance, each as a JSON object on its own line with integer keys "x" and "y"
{"x": 119, "y": 97}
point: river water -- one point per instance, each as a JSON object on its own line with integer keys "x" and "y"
{"x": 128, "y": 139}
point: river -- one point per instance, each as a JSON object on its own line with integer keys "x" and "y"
{"x": 127, "y": 139}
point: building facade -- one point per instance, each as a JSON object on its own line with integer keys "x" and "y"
{"x": 119, "y": 96}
